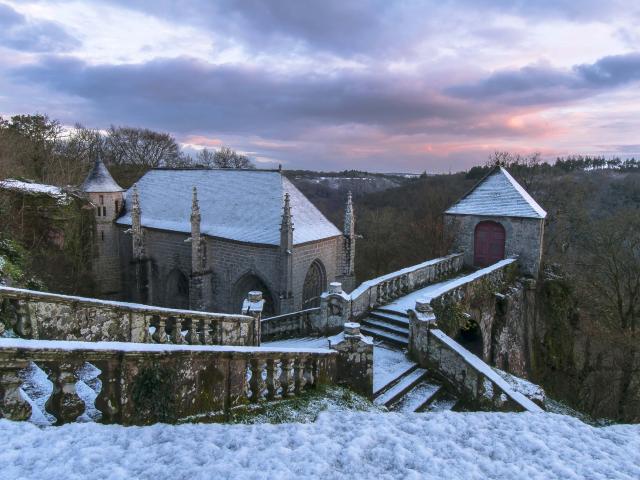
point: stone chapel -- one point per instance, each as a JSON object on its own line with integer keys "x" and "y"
{"x": 497, "y": 219}
{"x": 202, "y": 239}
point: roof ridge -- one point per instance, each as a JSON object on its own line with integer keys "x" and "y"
{"x": 498, "y": 203}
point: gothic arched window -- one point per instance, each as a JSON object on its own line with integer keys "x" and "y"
{"x": 315, "y": 283}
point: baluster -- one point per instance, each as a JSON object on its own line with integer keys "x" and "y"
{"x": 108, "y": 400}
{"x": 298, "y": 374}
{"x": 286, "y": 377}
{"x": 160, "y": 335}
{"x": 12, "y": 405}
{"x": 379, "y": 294}
{"x": 64, "y": 402}
{"x": 192, "y": 335}
{"x": 176, "y": 333}
{"x": 271, "y": 379}
{"x": 23, "y": 319}
{"x": 256, "y": 383}
{"x": 206, "y": 335}
{"x": 309, "y": 372}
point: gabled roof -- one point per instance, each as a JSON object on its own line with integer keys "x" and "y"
{"x": 498, "y": 194}
{"x": 100, "y": 180}
{"x": 241, "y": 205}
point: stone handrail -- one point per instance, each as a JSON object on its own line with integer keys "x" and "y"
{"x": 385, "y": 289}
{"x": 42, "y": 315}
{"x": 472, "y": 377}
{"x": 295, "y": 324}
{"x": 147, "y": 383}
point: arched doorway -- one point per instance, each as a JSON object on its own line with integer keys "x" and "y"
{"x": 470, "y": 337}
{"x": 246, "y": 284}
{"x": 314, "y": 284}
{"x": 177, "y": 288}
{"x": 488, "y": 245}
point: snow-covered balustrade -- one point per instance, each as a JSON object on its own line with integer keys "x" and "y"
{"x": 295, "y": 324}
{"x": 385, "y": 289}
{"x": 41, "y": 315}
{"x": 146, "y": 383}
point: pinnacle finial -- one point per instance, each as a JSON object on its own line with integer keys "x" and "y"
{"x": 349, "y": 217}
{"x": 286, "y": 211}
{"x": 194, "y": 199}
{"x": 136, "y": 198}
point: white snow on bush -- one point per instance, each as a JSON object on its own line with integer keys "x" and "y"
{"x": 339, "y": 445}
{"x": 35, "y": 188}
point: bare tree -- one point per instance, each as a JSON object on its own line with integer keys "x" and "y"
{"x": 610, "y": 269}
{"x": 141, "y": 147}
{"x": 224, "y": 158}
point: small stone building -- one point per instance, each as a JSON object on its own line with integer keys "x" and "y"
{"x": 497, "y": 219}
{"x": 202, "y": 239}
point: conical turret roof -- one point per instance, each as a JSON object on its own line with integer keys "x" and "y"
{"x": 100, "y": 180}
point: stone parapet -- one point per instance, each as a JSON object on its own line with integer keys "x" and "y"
{"x": 41, "y": 315}
{"x": 143, "y": 384}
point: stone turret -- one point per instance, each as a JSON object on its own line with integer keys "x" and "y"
{"x": 349, "y": 249}
{"x": 106, "y": 196}
{"x": 286, "y": 257}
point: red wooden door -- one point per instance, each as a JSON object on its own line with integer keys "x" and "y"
{"x": 488, "y": 245}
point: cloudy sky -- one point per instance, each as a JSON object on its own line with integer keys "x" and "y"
{"x": 332, "y": 84}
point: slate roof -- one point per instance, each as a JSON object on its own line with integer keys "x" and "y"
{"x": 99, "y": 180}
{"x": 498, "y": 194}
{"x": 242, "y": 205}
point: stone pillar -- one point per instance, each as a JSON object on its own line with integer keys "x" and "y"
{"x": 285, "y": 259}
{"x": 349, "y": 248}
{"x": 355, "y": 359}
{"x": 421, "y": 319}
{"x": 201, "y": 287}
{"x": 64, "y": 402}
{"x": 12, "y": 405}
{"x": 142, "y": 291}
{"x": 253, "y": 306}
{"x": 335, "y": 310}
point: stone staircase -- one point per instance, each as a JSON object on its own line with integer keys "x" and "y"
{"x": 387, "y": 326}
{"x": 413, "y": 391}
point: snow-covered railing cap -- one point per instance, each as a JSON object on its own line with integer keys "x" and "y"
{"x": 253, "y": 303}
{"x": 352, "y": 328}
{"x": 423, "y": 305}
{"x": 335, "y": 287}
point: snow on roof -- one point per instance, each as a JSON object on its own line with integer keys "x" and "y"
{"x": 498, "y": 194}
{"x": 35, "y": 189}
{"x": 100, "y": 180}
{"x": 242, "y": 205}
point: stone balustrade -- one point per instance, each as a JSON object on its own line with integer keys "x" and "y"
{"x": 387, "y": 288}
{"x": 146, "y": 383}
{"x": 338, "y": 307}
{"x": 295, "y": 324}
{"x": 41, "y": 315}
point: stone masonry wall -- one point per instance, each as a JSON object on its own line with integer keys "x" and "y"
{"x": 326, "y": 251}
{"x": 523, "y": 238}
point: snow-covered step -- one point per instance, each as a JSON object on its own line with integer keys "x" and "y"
{"x": 390, "y": 317}
{"x": 417, "y": 397}
{"x": 372, "y": 322}
{"x": 385, "y": 336}
{"x": 405, "y": 384}
{"x": 399, "y": 375}
{"x": 442, "y": 404}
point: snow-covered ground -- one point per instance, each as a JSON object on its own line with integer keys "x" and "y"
{"x": 338, "y": 445}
